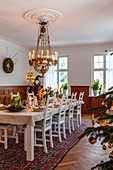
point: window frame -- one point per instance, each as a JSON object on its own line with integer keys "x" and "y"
{"x": 99, "y": 69}
{"x": 62, "y": 70}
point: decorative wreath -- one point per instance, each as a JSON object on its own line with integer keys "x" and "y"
{"x": 8, "y": 65}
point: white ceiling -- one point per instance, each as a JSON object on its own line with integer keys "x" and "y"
{"x": 84, "y": 21}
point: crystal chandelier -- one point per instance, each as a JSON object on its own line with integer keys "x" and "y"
{"x": 42, "y": 59}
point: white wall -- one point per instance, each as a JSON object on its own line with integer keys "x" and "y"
{"x": 18, "y": 76}
{"x": 80, "y": 61}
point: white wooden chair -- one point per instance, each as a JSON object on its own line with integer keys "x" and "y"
{"x": 45, "y": 125}
{"x": 59, "y": 119}
{"x": 78, "y": 111}
{"x": 69, "y": 114}
{"x": 4, "y": 134}
{"x": 4, "y": 131}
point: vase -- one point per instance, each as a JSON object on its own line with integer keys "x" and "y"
{"x": 45, "y": 100}
{"x": 95, "y": 92}
{"x": 30, "y": 83}
{"x": 64, "y": 92}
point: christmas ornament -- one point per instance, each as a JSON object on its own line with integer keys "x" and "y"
{"x": 102, "y": 123}
{"x": 104, "y": 147}
{"x": 111, "y": 155}
{"x": 107, "y": 123}
{"x": 92, "y": 140}
{"x": 110, "y": 145}
{"x": 111, "y": 107}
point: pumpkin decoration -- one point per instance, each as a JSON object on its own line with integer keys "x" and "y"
{"x": 8, "y": 65}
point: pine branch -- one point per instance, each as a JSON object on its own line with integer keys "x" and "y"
{"x": 104, "y": 94}
{"x": 108, "y": 165}
{"x": 95, "y": 108}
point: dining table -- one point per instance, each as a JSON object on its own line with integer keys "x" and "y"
{"x": 28, "y": 118}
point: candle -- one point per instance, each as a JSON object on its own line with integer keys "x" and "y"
{"x": 56, "y": 55}
{"x": 29, "y": 55}
{"x": 35, "y": 101}
{"x": 30, "y": 101}
{"x": 33, "y": 53}
{"x": 47, "y": 53}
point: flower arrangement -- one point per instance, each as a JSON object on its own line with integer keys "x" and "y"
{"x": 43, "y": 94}
{"x": 47, "y": 92}
{"x": 16, "y": 104}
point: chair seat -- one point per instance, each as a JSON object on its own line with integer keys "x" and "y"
{"x": 55, "y": 118}
{"x": 39, "y": 124}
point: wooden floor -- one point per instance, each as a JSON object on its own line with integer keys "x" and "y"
{"x": 83, "y": 155}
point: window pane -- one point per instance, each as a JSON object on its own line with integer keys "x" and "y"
{"x": 99, "y": 75}
{"x": 98, "y": 61}
{"x": 63, "y": 62}
{"x": 62, "y": 78}
{"x": 109, "y": 71}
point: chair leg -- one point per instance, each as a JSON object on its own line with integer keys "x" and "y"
{"x": 64, "y": 132}
{"x": 73, "y": 124}
{"x": 34, "y": 137}
{"x": 59, "y": 135}
{"x": 44, "y": 141}
{"x": 14, "y": 130}
{"x": 77, "y": 117}
{"x": 1, "y": 133}
{"x": 5, "y": 138}
{"x": 69, "y": 125}
{"x": 16, "y": 134}
{"x": 51, "y": 140}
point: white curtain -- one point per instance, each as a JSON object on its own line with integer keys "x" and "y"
{"x": 50, "y": 79}
{"x": 109, "y": 71}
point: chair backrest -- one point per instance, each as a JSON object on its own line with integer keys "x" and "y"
{"x": 49, "y": 110}
{"x": 81, "y": 95}
{"x": 16, "y": 95}
{"x": 63, "y": 107}
{"x": 72, "y": 102}
{"x": 31, "y": 94}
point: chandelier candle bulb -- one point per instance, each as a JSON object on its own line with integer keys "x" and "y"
{"x": 29, "y": 55}
{"x": 42, "y": 53}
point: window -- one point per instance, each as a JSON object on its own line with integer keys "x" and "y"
{"x": 58, "y": 75}
{"x": 102, "y": 69}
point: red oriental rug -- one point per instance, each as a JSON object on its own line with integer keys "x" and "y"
{"x": 15, "y": 157}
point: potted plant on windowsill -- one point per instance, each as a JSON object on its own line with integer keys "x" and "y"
{"x": 65, "y": 87}
{"x": 95, "y": 87}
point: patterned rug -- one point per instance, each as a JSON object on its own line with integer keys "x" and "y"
{"x": 14, "y": 157}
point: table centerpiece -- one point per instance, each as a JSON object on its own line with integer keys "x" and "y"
{"x": 16, "y": 104}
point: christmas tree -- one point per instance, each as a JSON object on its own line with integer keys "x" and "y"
{"x": 104, "y": 131}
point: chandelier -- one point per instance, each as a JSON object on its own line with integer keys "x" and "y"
{"x": 43, "y": 58}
